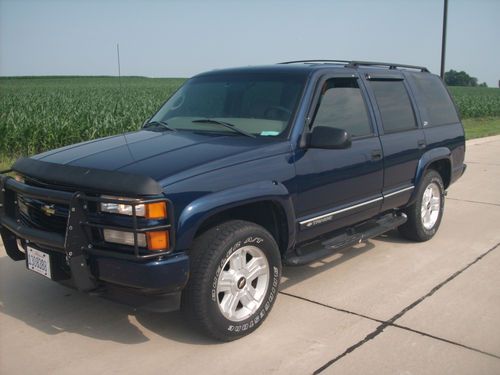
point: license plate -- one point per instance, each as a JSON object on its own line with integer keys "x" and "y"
{"x": 38, "y": 261}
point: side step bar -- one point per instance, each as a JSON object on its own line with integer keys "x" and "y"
{"x": 349, "y": 237}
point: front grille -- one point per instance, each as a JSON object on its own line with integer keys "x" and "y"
{"x": 47, "y": 208}
{"x": 43, "y": 215}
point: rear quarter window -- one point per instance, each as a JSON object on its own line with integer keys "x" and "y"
{"x": 436, "y": 100}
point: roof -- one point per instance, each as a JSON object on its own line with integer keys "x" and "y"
{"x": 305, "y": 67}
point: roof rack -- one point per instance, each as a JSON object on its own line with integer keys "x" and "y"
{"x": 316, "y": 61}
{"x": 390, "y": 65}
{"x": 355, "y": 64}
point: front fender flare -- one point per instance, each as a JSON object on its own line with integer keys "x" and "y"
{"x": 202, "y": 208}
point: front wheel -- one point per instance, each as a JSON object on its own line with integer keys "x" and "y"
{"x": 424, "y": 216}
{"x": 234, "y": 278}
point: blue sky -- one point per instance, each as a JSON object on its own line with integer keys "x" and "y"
{"x": 182, "y": 38}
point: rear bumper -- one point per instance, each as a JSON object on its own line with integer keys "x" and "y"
{"x": 457, "y": 173}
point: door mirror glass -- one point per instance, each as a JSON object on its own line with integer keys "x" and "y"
{"x": 329, "y": 138}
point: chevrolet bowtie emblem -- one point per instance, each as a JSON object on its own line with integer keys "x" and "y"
{"x": 48, "y": 209}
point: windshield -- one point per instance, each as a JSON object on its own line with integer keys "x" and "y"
{"x": 258, "y": 104}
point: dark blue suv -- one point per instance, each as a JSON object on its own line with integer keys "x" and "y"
{"x": 240, "y": 171}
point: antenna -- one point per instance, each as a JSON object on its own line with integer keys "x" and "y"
{"x": 119, "y": 70}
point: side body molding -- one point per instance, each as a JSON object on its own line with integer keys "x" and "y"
{"x": 202, "y": 208}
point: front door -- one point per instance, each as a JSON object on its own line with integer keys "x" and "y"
{"x": 337, "y": 188}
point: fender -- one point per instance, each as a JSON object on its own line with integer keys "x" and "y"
{"x": 202, "y": 208}
{"x": 439, "y": 153}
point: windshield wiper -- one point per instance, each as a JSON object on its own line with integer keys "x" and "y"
{"x": 225, "y": 124}
{"x": 163, "y": 124}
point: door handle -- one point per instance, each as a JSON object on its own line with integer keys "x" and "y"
{"x": 376, "y": 154}
{"x": 421, "y": 144}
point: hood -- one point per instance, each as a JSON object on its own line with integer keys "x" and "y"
{"x": 161, "y": 155}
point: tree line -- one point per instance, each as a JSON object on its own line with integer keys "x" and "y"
{"x": 454, "y": 78}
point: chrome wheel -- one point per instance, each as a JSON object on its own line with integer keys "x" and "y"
{"x": 431, "y": 206}
{"x": 242, "y": 283}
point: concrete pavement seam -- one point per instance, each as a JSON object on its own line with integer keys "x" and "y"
{"x": 445, "y": 340}
{"x": 469, "y": 201}
{"x": 482, "y": 163}
{"x": 391, "y": 324}
{"x": 391, "y": 321}
{"x": 333, "y": 307}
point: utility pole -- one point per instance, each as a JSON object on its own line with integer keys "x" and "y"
{"x": 119, "y": 70}
{"x": 443, "y": 41}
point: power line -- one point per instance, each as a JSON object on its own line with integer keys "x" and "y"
{"x": 119, "y": 69}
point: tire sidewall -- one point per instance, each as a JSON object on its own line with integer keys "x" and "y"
{"x": 253, "y": 236}
{"x": 430, "y": 177}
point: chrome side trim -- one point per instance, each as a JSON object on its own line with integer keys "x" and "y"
{"x": 398, "y": 191}
{"x": 326, "y": 217}
{"x": 305, "y": 222}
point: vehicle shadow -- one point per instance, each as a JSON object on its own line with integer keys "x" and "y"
{"x": 295, "y": 275}
{"x": 393, "y": 236}
{"x": 54, "y": 309}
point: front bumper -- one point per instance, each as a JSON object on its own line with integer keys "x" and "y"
{"x": 76, "y": 259}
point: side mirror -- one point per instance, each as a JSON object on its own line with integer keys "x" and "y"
{"x": 145, "y": 122}
{"x": 329, "y": 138}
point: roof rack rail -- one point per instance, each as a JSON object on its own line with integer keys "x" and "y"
{"x": 390, "y": 65}
{"x": 355, "y": 64}
{"x": 314, "y": 61}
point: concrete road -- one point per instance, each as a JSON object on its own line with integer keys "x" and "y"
{"x": 384, "y": 307}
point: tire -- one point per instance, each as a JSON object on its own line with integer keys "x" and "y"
{"x": 423, "y": 219}
{"x": 235, "y": 270}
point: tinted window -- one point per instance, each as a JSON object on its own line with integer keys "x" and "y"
{"x": 435, "y": 98}
{"x": 394, "y": 105}
{"x": 261, "y": 104}
{"x": 342, "y": 106}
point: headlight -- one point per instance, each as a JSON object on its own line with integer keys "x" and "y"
{"x": 157, "y": 210}
{"x": 154, "y": 241}
{"x": 124, "y": 238}
{"x": 19, "y": 178}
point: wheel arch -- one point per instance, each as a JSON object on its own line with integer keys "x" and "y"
{"x": 438, "y": 159}
{"x": 265, "y": 203}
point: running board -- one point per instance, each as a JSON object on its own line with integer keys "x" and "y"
{"x": 349, "y": 237}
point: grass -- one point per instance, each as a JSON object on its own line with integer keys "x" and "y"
{"x": 5, "y": 163}
{"x": 41, "y": 113}
{"x": 481, "y": 127}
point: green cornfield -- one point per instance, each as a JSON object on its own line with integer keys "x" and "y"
{"x": 38, "y": 114}
{"x": 474, "y": 102}
{"x": 41, "y": 113}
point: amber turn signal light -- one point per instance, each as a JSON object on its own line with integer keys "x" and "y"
{"x": 159, "y": 240}
{"x": 156, "y": 210}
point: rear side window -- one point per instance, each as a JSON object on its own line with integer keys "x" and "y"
{"x": 394, "y": 105}
{"x": 342, "y": 106}
{"x": 437, "y": 101}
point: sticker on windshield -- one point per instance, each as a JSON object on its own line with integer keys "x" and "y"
{"x": 269, "y": 133}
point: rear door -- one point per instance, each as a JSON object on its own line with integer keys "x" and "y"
{"x": 403, "y": 140}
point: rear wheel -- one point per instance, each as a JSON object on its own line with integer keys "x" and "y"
{"x": 424, "y": 216}
{"x": 235, "y": 272}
